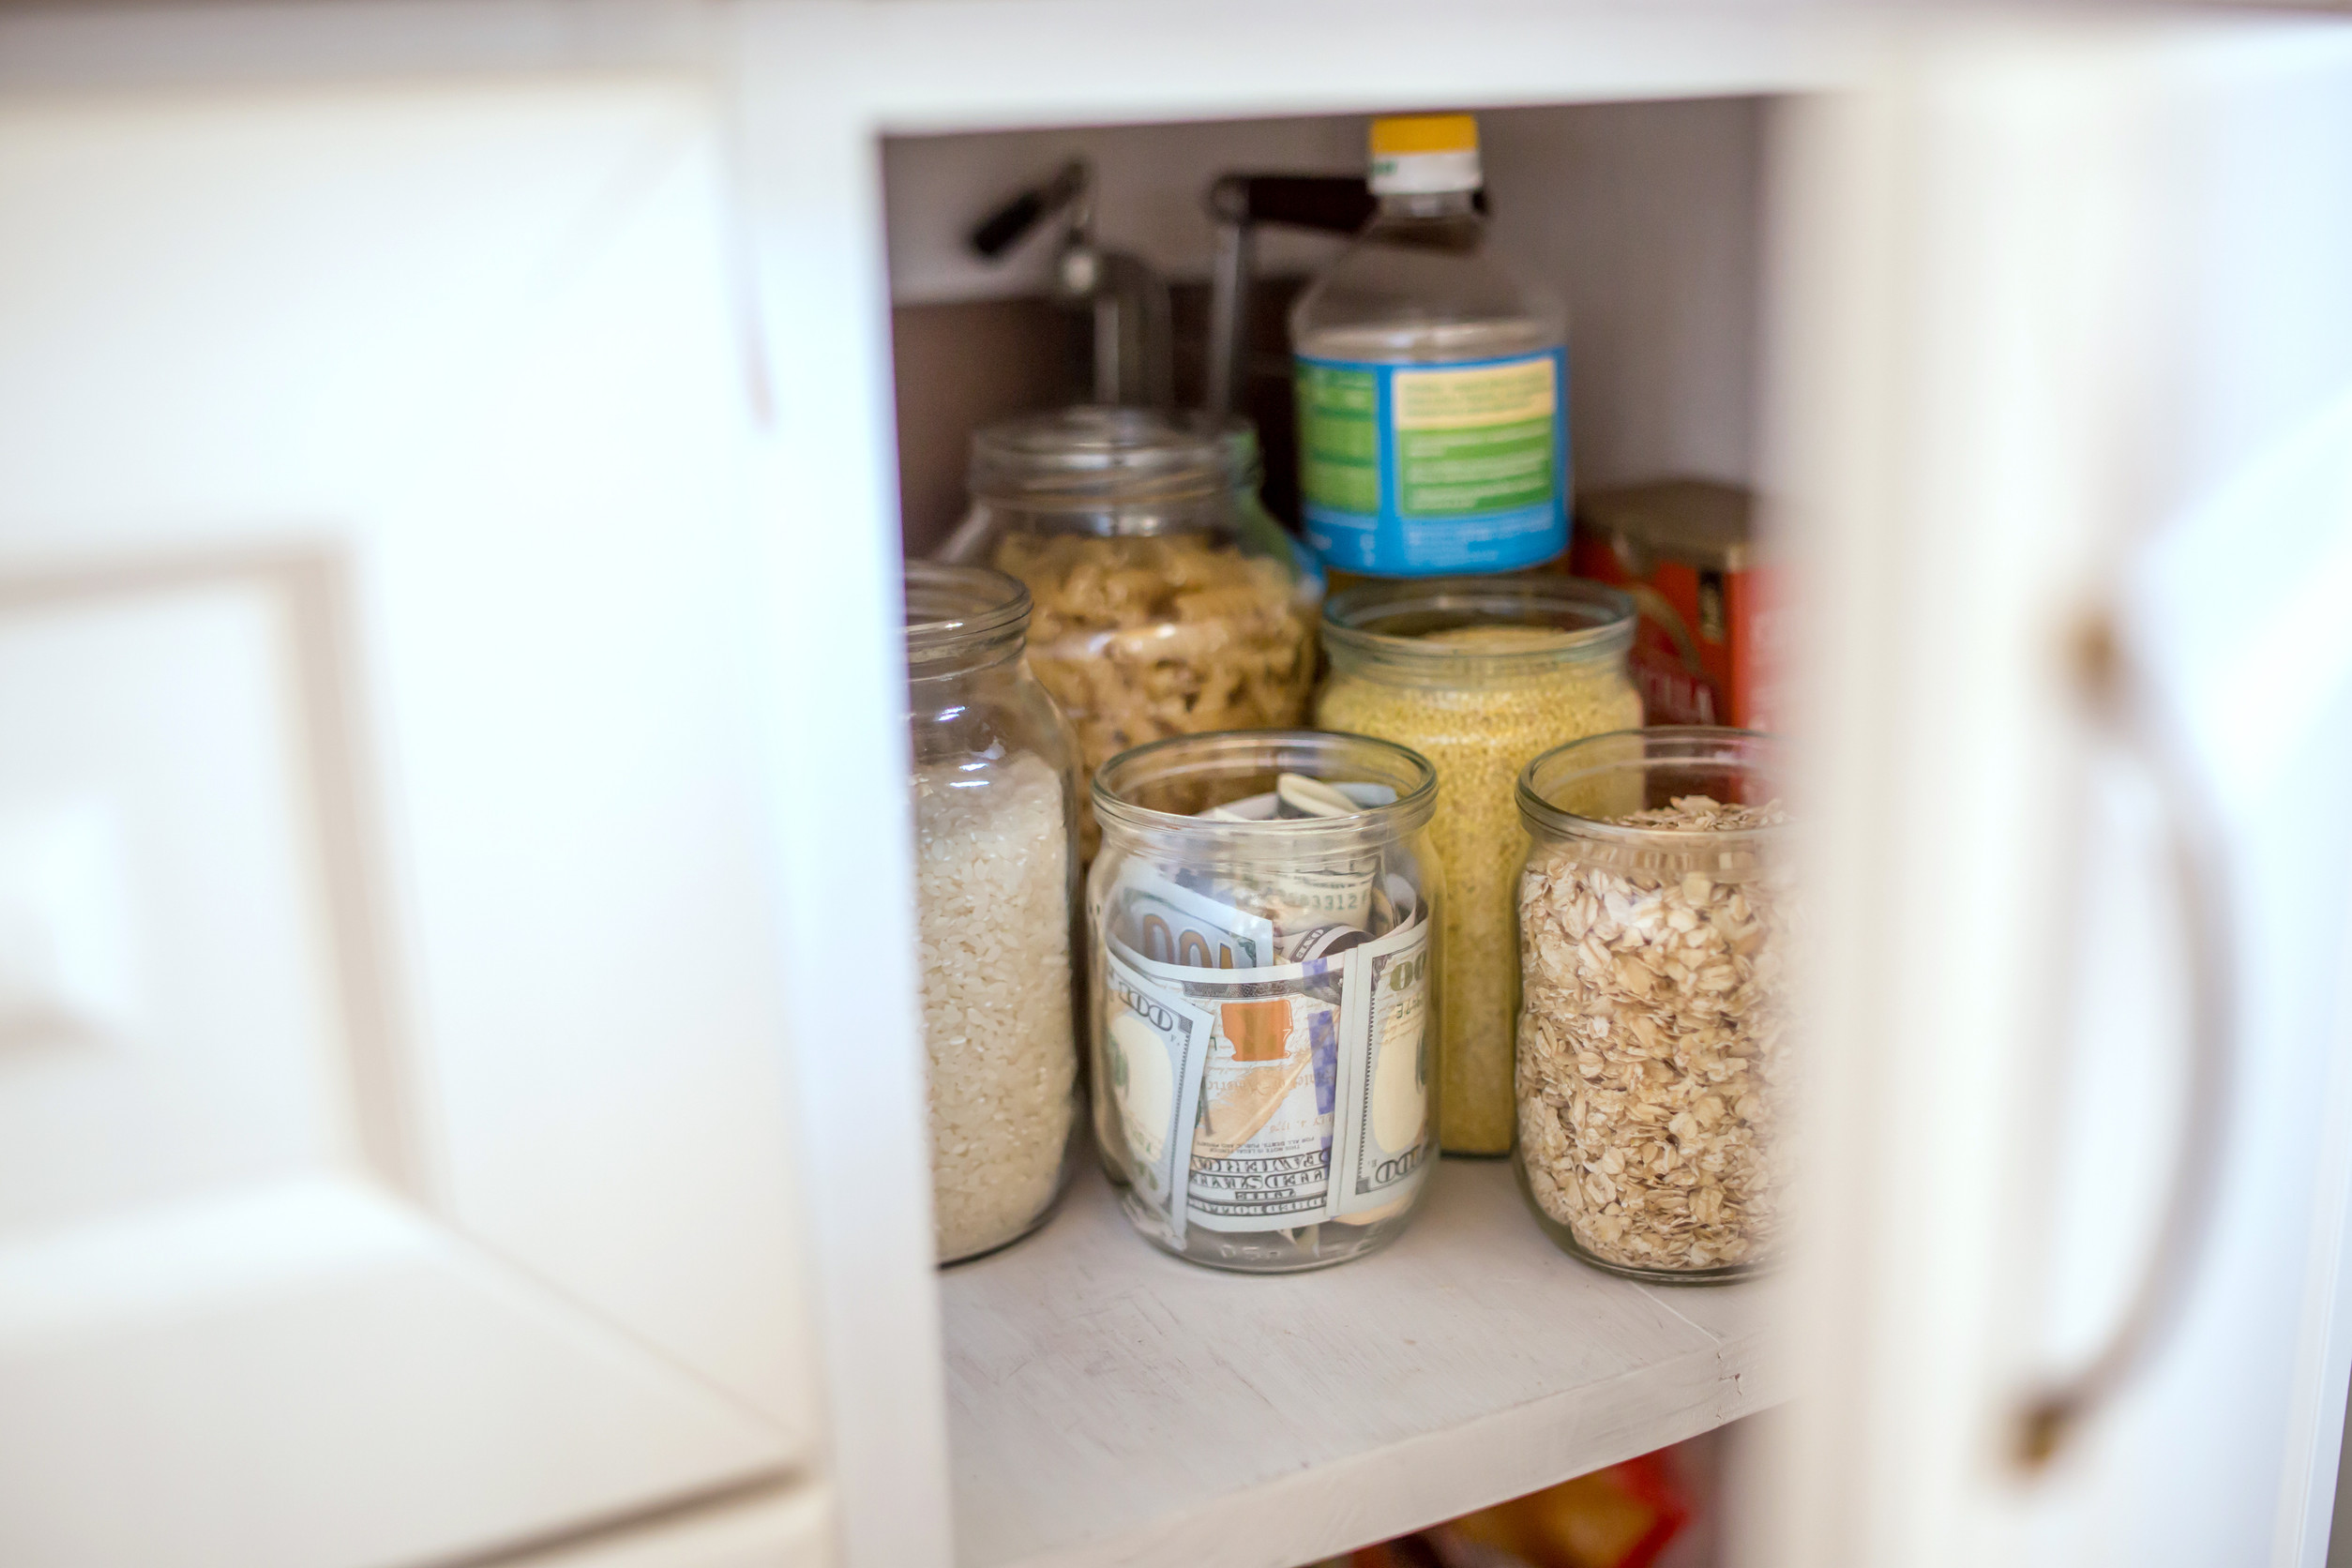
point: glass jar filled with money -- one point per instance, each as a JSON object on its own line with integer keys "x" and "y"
{"x": 1167, "y": 601}
{"x": 994, "y": 791}
{"x": 1260, "y": 922}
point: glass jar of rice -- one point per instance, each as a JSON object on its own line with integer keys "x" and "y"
{"x": 1168, "y": 602}
{"x": 1265, "y": 993}
{"x": 994, "y": 792}
{"x": 1480, "y": 676}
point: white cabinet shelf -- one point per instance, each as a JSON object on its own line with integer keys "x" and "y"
{"x": 1109, "y": 1405}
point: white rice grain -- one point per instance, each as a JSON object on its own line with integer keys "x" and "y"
{"x": 993, "y": 948}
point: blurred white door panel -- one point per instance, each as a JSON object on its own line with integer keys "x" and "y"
{"x": 393, "y": 1164}
{"x": 2069, "y": 347}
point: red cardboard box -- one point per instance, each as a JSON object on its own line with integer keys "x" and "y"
{"x": 1709, "y": 648}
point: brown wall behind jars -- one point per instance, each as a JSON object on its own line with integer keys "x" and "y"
{"x": 962, "y": 365}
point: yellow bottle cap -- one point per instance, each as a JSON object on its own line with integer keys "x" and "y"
{"x": 1403, "y": 135}
{"x": 1424, "y": 154}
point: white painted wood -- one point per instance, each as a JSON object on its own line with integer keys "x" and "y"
{"x": 357, "y": 357}
{"x": 789, "y": 1527}
{"x": 311, "y": 1374}
{"x": 836, "y": 743}
{"x": 966, "y": 65}
{"x": 397, "y": 1146}
{"x": 249, "y": 43}
{"x": 1111, "y": 1404}
{"x": 2058, "y": 337}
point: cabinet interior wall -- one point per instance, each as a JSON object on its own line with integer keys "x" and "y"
{"x": 1645, "y": 217}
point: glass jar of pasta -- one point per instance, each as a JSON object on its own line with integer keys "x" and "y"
{"x": 1481, "y": 675}
{"x": 1167, "y": 602}
{"x": 994, "y": 792}
{"x": 1266, "y": 989}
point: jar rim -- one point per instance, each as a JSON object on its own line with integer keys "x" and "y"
{"x": 952, "y": 609}
{"x": 1252, "y": 753}
{"x": 1091, "y": 456}
{"x": 1390, "y": 623}
{"x": 1754, "y": 751}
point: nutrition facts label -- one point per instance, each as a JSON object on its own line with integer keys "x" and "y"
{"x": 1413, "y": 470}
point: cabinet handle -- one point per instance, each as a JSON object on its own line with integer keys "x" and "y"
{"x": 2050, "y": 1417}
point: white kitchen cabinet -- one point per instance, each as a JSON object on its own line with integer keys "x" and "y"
{"x": 394, "y": 1157}
{"x": 2089, "y": 292}
{"x": 458, "y": 1089}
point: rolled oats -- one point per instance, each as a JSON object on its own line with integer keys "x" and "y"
{"x": 1652, "y": 1042}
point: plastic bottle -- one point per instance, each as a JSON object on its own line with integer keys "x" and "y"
{"x": 1432, "y": 383}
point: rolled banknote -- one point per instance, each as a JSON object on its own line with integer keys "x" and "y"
{"x": 1390, "y": 1133}
{"x": 1166, "y": 922}
{"x": 1154, "y": 1044}
{"x": 1299, "y": 892}
{"x": 1268, "y": 1087}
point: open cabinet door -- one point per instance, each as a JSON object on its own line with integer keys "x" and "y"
{"x": 2068, "y": 350}
{"x": 392, "y": 1162}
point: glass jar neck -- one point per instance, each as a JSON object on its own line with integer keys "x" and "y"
{"x": 961, "y": 619}
{"x": 1216, "y": 513}
{"x": 1399, "y": 632}
{"x": 1580, "y": 794}
{"x": 952, "y": 657}
{"x": 1149, "y": 799}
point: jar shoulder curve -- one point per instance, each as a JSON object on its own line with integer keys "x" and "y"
{"x": 989, "y": 719}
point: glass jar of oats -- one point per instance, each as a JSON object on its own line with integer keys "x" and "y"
{"x": 1655, "y": 914}
{"x": 1168, "y": 602}
{"x": 1481, "y": 675}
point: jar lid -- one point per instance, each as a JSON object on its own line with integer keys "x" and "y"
{"x": 1138, "y": 469}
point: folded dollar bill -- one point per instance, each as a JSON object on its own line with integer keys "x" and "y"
{"x": 1308, "y": 1084}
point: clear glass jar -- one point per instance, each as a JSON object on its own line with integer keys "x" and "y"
{"x": 1431, "y": 379}
{"x": 996, "y": 875}
{"x": 1168, "y": 603}
{"x": 1265, "y": 993}
{"x": 1480, "y": 676}
{"x": 1656, "y": 921}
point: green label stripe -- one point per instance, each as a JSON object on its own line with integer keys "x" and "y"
{"x": 1479, "y": 468}
{"x": 1339, "y": 438}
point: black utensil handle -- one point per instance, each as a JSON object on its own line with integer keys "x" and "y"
{"x": 1007, "y": 225}
{"x": 1336, "y": 204}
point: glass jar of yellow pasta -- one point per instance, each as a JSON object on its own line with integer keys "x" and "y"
{"x": 1167, "y": 602}
{"x": 1481, "y": 675}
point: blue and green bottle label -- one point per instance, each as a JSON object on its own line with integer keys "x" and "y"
{"x": 1418, "y": 469}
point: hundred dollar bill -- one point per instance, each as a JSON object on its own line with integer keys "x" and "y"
{"x": 1262, "y": 1152}
{"x": 1387, "y": 1134}
{"x": 1301, "y": 897}
{"x": 1164, "y": 921}
{"x": 1155, "y": 1043}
